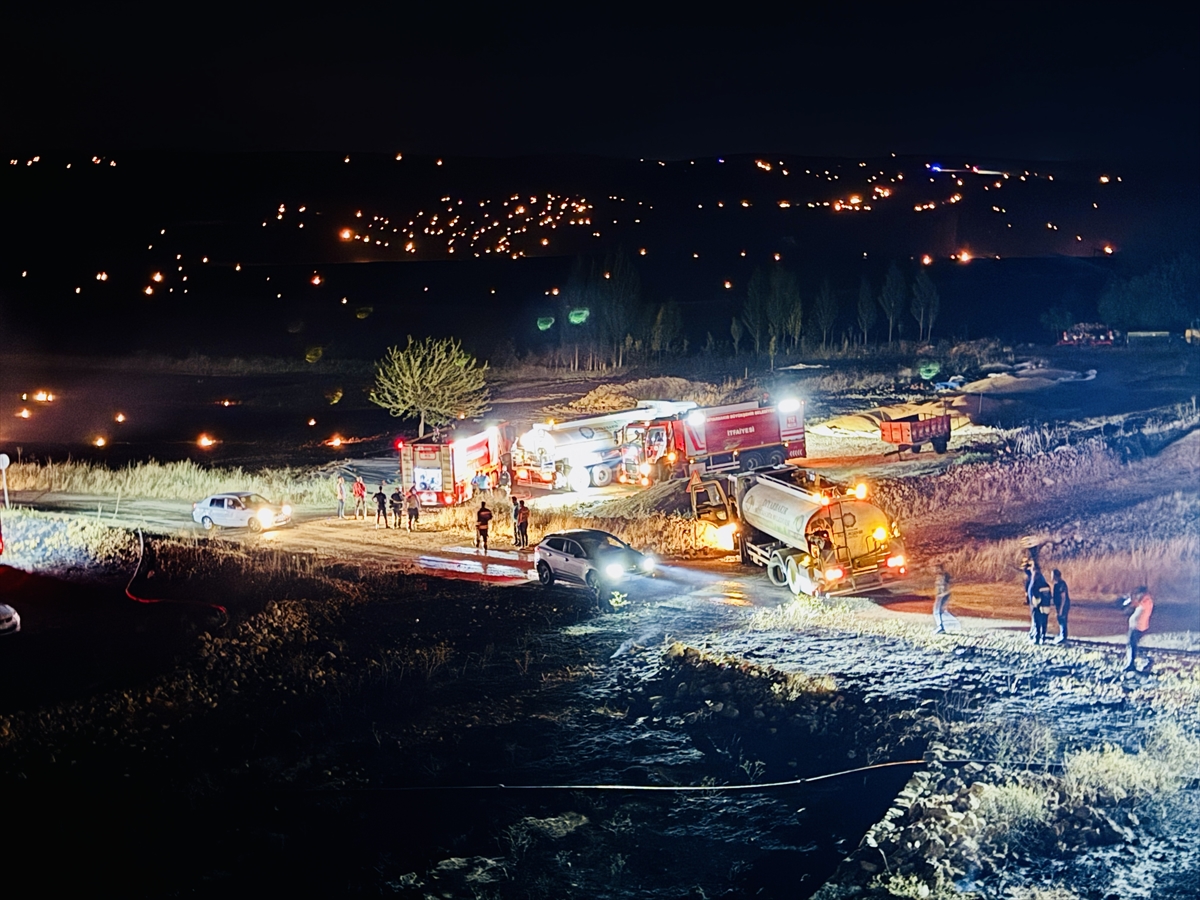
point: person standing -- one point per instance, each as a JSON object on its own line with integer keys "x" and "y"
{"x": 1062, "y": 604}
{"x": 340, "y": 493}
{"x": 523, "y": 524}
{"x": 481, "y": 483}
{"x": 397, "y": 503}
{"x": 505, "y": 481}
{"x": 1141, "y": 606}
{"x": 483, "y": 519}
{"x": 359, "y": 490}
{"x": 381, "y": 502}
{"x": 516, "y": 524}
{"x": 413, "y": 505}
{"x": 1037, "y": 595}
{"x": 941, "y": 599}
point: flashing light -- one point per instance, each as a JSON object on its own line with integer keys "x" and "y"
{"x": 895, "y": 562}
{"x": 789, "y": 405}
{"x": 880, "y": 533}
{"x": 696, "y": 419}
{"x": 834, "y": 573}
{"x": 614, "y": 570}
{"x": 265, "y": 517}
{"x": 860, "y": 491}
{"x": 644, "y": 468}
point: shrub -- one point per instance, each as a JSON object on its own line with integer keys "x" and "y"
{"x": 1110, "y": 775}
{"x": 1015, "y": 813}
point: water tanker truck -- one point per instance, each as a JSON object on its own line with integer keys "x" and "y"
{"x": 581, "y": 452}
{"x": 812, "y": 535}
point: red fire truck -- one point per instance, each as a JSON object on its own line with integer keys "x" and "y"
{"x": 442, "y": 469}
{"x": 736, "y": 436}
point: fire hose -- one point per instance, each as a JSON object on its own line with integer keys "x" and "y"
{"x": 132, "y": 596}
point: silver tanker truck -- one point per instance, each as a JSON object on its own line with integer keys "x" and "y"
{"x": 812, "y": 535}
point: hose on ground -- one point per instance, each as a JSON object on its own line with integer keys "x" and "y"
{"x": 132, "y": 596}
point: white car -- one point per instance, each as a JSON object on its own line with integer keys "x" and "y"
{"x": 240, "y": 509}
{"x": 10, "y": 620}
{"x": 589, "y": 557}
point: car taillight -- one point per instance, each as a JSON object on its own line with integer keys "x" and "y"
{"x": 895, "y": 562}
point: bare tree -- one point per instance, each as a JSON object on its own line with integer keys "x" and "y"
{"x": 755, "y": 309}
{"x": 783, "y": 295}
{"x": 735, "y": 332}
{"x": 434, "y": 379}
{"x": 867, "y": 313}
{"x": 925, "y": 305}
{"x": 795, "y": 322}
{"x": 891, "y": 299}
{"x": 826, "y": 310}
{"x": 617, "y": 290}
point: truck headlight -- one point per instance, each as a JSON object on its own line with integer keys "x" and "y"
{"x": 614, "y": 570}
{"x": 644, "y": 468}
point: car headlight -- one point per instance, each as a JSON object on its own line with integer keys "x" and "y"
{"x": 614, "y": 570}
{"x": 266, "y": 517}
{"x": 287, "y": 511}
{"x": 649, "y": 563}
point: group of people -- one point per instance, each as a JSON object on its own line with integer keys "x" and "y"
{"x": 388, "y": 507}
{"x": 1045, "y": 597}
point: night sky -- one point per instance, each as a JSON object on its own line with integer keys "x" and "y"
{"x": 1029, "y": 81}
{"x": 258, "y": 150}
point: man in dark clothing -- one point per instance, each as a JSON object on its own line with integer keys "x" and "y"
{"x": 381, "y": 502}
{"x": 483, "y": 519}
{"x": 523, "y": 523}
{"x": 397, "y": 503}
{"x": 516, "y": 523}
{"x": 1062, "y": 604}
{"x": 1037, "y": 595}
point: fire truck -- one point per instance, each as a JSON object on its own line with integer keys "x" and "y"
{"x": 442, "y": 469}
{"x": 735, "y": 436}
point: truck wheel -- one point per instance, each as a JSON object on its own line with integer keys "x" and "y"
{"x": 601, "y": 476}
{"x": 777, "y": 571}
{"x": 915, "y": 448}
{"x": 751, "y": 461}
{"x": 776, "y": 458}
{"x": 545, "y": 574}
{"x": 793, "y": 577}
{"x": 939, "y": 445}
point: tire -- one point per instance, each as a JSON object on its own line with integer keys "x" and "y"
{"x": 776, "y": 458}
{"x": 915, "y": 448}
{"x": 602, "y": 476}
{"x": 593, "y": 585}
{"x": 751, "y": 461}
{"x": 254, "y": 525}
{"x": 545, "y": 574}
{"x": 793, "y": 576}
{"x": 777, "y": 571}
{"x": 939, "y": 445}
{"x": 207, "y": 524}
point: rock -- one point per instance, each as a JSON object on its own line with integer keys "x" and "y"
{"x": 934, "y": 848}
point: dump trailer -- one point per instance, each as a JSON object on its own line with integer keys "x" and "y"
{"x": 442, "y": 469}
{"x": 581, "y": 452}
{"x": 735, "y": 436}
{"x": 814, "y": 536}
{"x": 910, "y": 432}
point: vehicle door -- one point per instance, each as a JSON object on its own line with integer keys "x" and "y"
{"x": 709, "y": 502}
{"x": 575, "y": 561}
{"x": 218, "y": 512}
{"x": 554, "y": 551}
{"x": 239, "y": 514}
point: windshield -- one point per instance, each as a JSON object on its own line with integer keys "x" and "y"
{"x": 257, "y": 500}
{"x": 598, "y": 543}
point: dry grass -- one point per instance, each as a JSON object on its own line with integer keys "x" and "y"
{"x": 618, "y": 396}
{"x": 1109, "y": 775}
{"x": 661, "y": 533}
{"x": 168, "y": 481}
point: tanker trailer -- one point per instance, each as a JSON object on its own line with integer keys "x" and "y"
{"x": 812, "y": 535}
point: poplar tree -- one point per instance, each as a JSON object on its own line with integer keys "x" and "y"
{"x": 434, "y": 379}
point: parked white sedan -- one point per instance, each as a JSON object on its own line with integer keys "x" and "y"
{"x": 10, "y": 620}
{"x": 240, "y": 509}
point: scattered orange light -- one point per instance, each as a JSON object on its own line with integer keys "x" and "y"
{"x": 335, "y": 441}
{"x": 120, "y": 417}
{"x": 157, "y": 276}
{"x": 23, "y": 414}
{"x": 964, "y": 256}
{"x": 205, "y": 441}
{"x": 102, "y": 276}
{"x": 728, "y": 285}
{"x": 1108, "y": 249}
{"x": 148, "y": 290}
{"x": 926, "y": 260}
{"x": 99, "y": 442}
{"x": 345, "y": 234}
{"x": 316, "y": 279}
{"x": 312, "y": 421}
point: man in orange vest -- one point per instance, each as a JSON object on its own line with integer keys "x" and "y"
{"x": 1141, "y": 605}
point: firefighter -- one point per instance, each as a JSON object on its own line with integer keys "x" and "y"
{"x": 483, "y": 519}
{"x": 1141, "y": 606}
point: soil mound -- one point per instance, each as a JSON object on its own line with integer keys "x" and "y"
{"x": 614, "y": 397}
{"x": 665, "y": 497}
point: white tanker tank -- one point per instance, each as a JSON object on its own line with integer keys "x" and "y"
{"x": 812, "y": 535}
